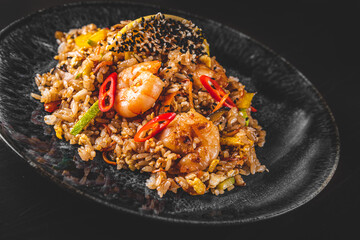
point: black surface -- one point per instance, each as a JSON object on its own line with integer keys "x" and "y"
{"x": 318, "y": 38}
{"x": 302, "y": 140}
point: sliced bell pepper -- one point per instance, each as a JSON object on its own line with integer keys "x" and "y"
{"x": 81, "y": 41}
{"x": 245, "y": 100}
{"x": 91, "y": 39}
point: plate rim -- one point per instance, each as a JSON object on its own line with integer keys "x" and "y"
{"x": 72, "y": 189}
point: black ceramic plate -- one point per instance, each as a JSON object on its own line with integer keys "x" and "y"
{"x": 301, "y": 152}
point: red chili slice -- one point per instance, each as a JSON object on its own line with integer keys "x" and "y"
{"x": 155, "y": 125}
{"x": 216, "y": 92}
{"x": 107, "y": 93}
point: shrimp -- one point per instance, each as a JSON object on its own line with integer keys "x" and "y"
{"x": 217, "y": 72}
{"x": 195, "y": 138}
{"x": 138, "y": 89}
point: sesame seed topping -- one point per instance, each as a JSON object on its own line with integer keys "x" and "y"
{"x": 158, "y": 35}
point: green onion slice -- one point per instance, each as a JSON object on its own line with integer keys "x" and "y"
{"x": 88, "y": 116}
{"x": 243, "y": 114}
{"x": 226, "y": 183}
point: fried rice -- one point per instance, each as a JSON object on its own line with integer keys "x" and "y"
{"x": 72, "y": 87}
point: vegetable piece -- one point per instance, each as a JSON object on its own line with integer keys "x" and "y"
{"x": 235, "y": 141}
{"x": 226, "y": 183}
{"x": 99, "y": 35}
{"x": 217, "y": 92}
{"x": 86, "y": 118}
{"x": 232, "y": 133}
{"x": 91, "y": 43}
{"x": 253, "y": 109}
{"x": 222, "y": 92}
{"x": 107, "y": 93}
{"x": 107, "y": 160}
{"x": 243, "y": 114}
{"x": 198, "y": 186}
{"x": 222, "y": 101}
{"x": 81, "y": 41}
{"x": 245, "y": 100}
{"x": 102, "y": 64}
{"x": 78, "y": 75}
{"x": 191, "y": 101}
{"x": 206, "y": 60}
{"x": 215, "y": 116}
{"x": 168, "y": 100}
{"x": 213, "y": 93}
{"x": 88, "y": 66}
{"x": 128, "y": 55}
{"x": 52, "y": 106}
{"x": 154, "y": 126}
{"x": 58, "y": 131}
{"x": 91, "y": 39}
{"x": 231, "y": 141}
{"x": 85, "y": 70}
{"x": 213, "y": 165}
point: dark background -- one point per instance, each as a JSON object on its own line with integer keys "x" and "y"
{"x": 320, "y": 38}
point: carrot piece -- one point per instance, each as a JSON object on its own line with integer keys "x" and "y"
{"x": 190, "y": 94}
{"x": 168, "y": 100}
{"x": 107, "y": 160}
{"x": 191, "y": 102}
{"x": 104, "y": 63}
{"x": 222, "y": 101}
